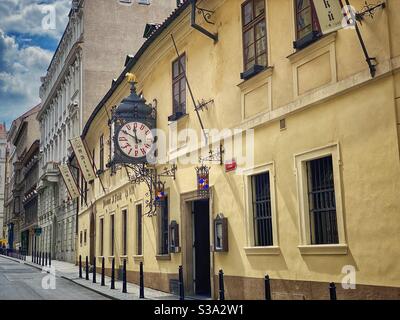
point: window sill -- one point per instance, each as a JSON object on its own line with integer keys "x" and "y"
{"x": 314, "y": 46}
{"x": 252, "y": 72}
{"x": 177, "y": 116}
{"x": 246, "y": 84}
{"x": 111, "y": 257}
{"x": 262, "y": 251}
{"x": 163, "y": 257}
{"x": 326, "y": 249}
{"x": 122, "y": 258}
{"x": 138, "y": 258}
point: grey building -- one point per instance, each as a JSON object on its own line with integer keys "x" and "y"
{"x": 99, "y": 36}
{"x": 21, "y": 179}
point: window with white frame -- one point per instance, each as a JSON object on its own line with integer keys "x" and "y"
{"x": 321, "y": 201}
{"x": 261, "y": 209}
{"x": 320, "y": 197}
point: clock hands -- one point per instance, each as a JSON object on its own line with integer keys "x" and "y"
{"x": 137, "y": 141}
{"x": 136, "y": 138}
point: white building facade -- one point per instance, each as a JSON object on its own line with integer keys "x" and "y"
{"x": 3, "y": 154}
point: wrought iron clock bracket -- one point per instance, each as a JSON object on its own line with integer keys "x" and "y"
{"x": 216, "y": 155}
{"x": 168, "y": 172}
{"x": 207, "y": 14}
{"x": 369, "y": 10}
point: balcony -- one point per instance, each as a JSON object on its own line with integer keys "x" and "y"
{"x": 49, "y": 174}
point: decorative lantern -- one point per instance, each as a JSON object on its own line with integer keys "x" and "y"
{"x": 160, "y": 193}
{"x": 203, "y": 181}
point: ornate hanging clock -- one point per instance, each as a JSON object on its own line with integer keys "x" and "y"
{"x": 132, "y": 124}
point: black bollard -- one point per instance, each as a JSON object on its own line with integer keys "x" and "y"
{"x": 332, "y": 291}
{"x": 113, "y": 274}
{"x": 87, "y": 268}
{"x": 94, "y": 270}
{"x": 267, "y": 288}
{"x": 80, "y": 266}
{"x": 221, "y": 285}
{"x": 33, "y": 255}
{"x": 46, "y": 260}
{"x": 181, "y": 285}
{"x": 42, "y": 258}
{"x": 124, "y": 289}
{"x": 103, "y": 282}
{"x": 141, "y": 289}
{"x": 50, "y": 259}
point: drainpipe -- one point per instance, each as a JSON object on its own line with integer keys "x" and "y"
{"x": 199, "y": 28}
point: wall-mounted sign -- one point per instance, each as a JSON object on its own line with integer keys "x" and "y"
{"x": 69, "y": 181}
{"x": 230, "y": 165}
{"x": 83, "y": 159}
{"x": 330, "y": 15}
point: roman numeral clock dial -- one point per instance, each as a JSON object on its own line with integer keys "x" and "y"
{"x": 135, "y": 140}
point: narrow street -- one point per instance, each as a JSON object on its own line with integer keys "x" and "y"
{"x": 21, "y": 282}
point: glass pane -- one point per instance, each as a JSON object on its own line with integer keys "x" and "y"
{"x": 183, "y": 97}
{"x": 176, "y": 88}
{"x": 260, "y": 30}
{"x": 304, "y": 23}
{"x": 304, "y": 32}
{"x": 248, "y": 13}
{"x": 249, "y": 53}
{"x": 262, "y": 60}
{"x": 175, "y": 68}
{"x": 261, "y": 46}
{"x": 302, "y": 4}
{"x": 183, "y": 65}
{"x": 182, "y": 84}
{"x": 248, "y": 38}
{"x": 249, "y": 65}
{"x": 259, "y": 7}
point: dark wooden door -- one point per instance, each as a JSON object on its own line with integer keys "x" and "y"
{"x": 202, "y": 248}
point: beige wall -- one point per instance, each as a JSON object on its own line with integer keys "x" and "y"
{"x": 327, "y": 97}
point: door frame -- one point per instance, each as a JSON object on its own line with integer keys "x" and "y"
{"x": 187, "y": 240}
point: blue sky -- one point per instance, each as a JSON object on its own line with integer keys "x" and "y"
{"x": 26, "y": 49}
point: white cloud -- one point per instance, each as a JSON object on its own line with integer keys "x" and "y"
{"x": 26, "y": 16}
{"x": 20, "y": 71}
{"x": 22, "y": 61}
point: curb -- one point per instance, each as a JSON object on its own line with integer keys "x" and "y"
{"x": 91, "y": 289}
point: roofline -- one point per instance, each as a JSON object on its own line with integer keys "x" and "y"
{"x": 132, "y": 62}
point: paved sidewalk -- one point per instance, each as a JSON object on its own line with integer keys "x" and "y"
{"x": 71, "y": 272}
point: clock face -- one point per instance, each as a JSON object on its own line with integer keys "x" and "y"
{"x": 135, "y": 140}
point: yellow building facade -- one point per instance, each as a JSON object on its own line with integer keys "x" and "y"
{"x": 326, "y": 139}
